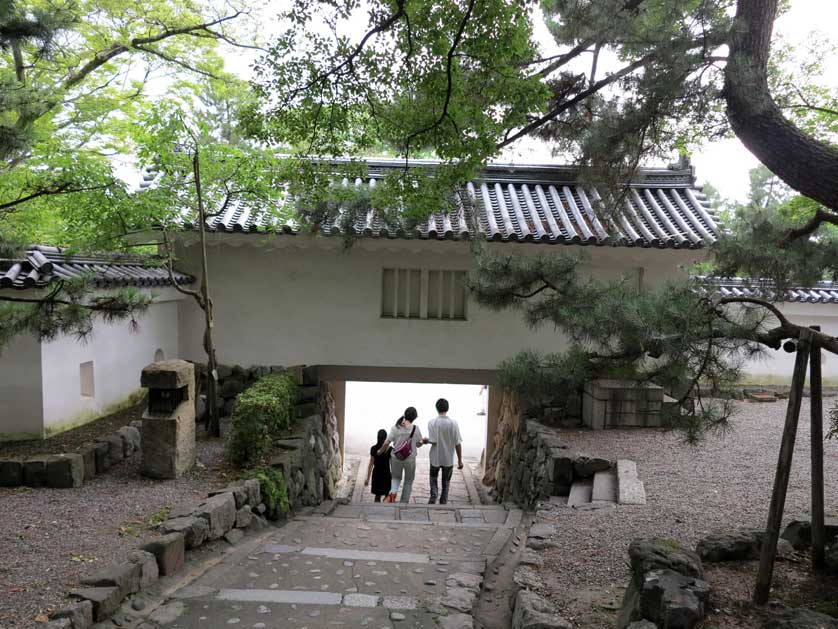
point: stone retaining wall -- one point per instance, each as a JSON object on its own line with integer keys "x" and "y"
{"x": 72, "y": 469}
{"x": 530, "y": 462}
{"x": 223, "y": 514}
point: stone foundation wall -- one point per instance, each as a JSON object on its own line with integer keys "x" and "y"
{"x": 309, "y": 454}
{"x": 530, "y": 462}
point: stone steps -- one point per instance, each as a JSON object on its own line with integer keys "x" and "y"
{"x": 630, "y": 489}
{"x": 580, "y": 493}
{"x": 605, "y": 487}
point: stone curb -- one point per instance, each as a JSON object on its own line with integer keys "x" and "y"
{"x": 72, "y": 469}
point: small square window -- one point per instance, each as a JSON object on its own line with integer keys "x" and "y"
{"x": 401, "y": 292}
{"x": 86, "y": 378}
{"x": 414, "y": 294}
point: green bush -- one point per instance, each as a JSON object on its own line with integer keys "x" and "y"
{"x": 262, "y": 412}
{"x": 274, "y": 490}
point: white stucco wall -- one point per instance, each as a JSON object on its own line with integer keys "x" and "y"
{"x": 302, "y": 301}
{"x": 118, "y": 354}
{"x": 21, "y": 406}
{"x": 777, "y": 365}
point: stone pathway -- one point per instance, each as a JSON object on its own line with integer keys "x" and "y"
{"x": 353, "y": 565}
{"x": 462, "y": 490}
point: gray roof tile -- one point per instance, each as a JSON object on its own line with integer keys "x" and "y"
{"x": 821, "y": 293}
{"x": 42, "y": 265}
{"x": 543, "y": 204}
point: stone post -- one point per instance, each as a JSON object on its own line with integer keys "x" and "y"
{"x": 168, "y": 436}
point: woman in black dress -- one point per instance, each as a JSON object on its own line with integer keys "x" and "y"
{"x": 379, "y": 468}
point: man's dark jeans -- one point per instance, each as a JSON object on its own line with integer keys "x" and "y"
{"x": 447, "y": 472}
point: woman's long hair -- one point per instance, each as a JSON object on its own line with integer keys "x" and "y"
{"x": 410, "y": 415}
{"x": 382, "y": 437}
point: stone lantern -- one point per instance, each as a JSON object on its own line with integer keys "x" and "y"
{"x": 168, "y": 436}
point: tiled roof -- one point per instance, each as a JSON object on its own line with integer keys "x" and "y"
{"x": 542, "y": 204}
{"x": 821, "y": 293}
{"x": 42, "y": 265}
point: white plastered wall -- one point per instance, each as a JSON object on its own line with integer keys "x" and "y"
{"x": 293, "y": 300}
{"x": 118, "y": 353}
{"x": 21, "y": 407}
{"x": 776, "y": 366}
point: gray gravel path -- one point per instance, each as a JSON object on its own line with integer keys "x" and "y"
{"x": 50, "y": 537}
{"x": 722, "y": 485}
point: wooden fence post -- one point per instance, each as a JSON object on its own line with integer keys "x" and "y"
{"x": 781, "y": 479}
{"x": 816, "y": 394}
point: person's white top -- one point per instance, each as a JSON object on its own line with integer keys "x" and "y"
{"x": 444, "y": 435}
{"x": 399, "y": 435}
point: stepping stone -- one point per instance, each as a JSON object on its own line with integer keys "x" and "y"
{"x": 605, "y": 487}
{"x": 630, "y": 490}
{"x": 580, "y": 493}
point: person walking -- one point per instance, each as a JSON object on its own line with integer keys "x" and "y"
{"x": 405, "y": 437}
{"x": 379, "y": 468}
{"x": 444, "y": 437}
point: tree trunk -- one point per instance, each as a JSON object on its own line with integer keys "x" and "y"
{"x": 804, "y": 163}
{"x": 214, "y": 423}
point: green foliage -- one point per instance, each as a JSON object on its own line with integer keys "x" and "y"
{"x": 274, "y": 490}
{"x": 676, "y": 335}
{"x": 69, "y": 307}
{"x": 262, "y": 412}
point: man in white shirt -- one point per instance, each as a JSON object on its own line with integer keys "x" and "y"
{"x": 444, "y": 437}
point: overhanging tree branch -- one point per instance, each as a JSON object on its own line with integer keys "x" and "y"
{"x": 804, "y": 163}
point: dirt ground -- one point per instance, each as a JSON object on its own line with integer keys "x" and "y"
{"x": 49, "y": 538}
{"x": 722, "y": 485}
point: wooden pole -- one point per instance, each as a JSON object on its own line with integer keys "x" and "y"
{"x": 781, "y": 479}
{"x": 816, "y": 393}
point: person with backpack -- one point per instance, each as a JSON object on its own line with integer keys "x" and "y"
{"x": 406, "y": 438}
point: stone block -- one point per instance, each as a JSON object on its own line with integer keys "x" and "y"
{"x": 124, "y": 576}
{"x": 35, "y": 471}
{"x": 168, "y": 444}
{"x": 65, "y": 470}
{"x": 662, "y": 554}
{"x": 149, "y": 571}
{"x": 80, "y": 614}
{"x": 799, "y": 532}
{"x": 88, "y": 456}
{"x": 169, "y": 550}
{"x": 244, "y": 517}
{"x": 60, "y": 623}
{"x": 239, "y": 494}
{"x": 254, "y": 491}
{"x": 233, "y": 536}
{"x": 220, "y": 514}
{"x": 194, "y": 529}
{"x": 116, "y": 449}
{"x": 531, "y": 611}
{"x": 167, "y": 374}
{"x": 100, "y": 451}
{"x": 11, "y": 473}
{"x": 130, "y": 440}
{"x": 740, "y": 546}
{"x": 670, "y": 599}
{"x": 136, "y": 423}
{"x": 105, "y": 600}
{"x": 307, "y": 393}
{"x": 586, "y": 466}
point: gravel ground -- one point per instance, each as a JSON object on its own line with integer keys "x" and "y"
{"x": 720, "y": 486}
{"x": 49, "y": 538}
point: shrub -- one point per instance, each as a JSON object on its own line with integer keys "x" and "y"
{"x": 262, "y": 412}
{"x": 274, "y": 490}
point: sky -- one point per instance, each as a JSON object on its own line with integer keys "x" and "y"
{"x": 724, "y": 163}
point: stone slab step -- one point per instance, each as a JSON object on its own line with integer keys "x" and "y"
{"x": 580, "y": 493}
{"x": 630, "y": 489}
{"x": 605, "y": 487}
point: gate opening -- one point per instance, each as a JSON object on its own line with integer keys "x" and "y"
{"x": 371, "y": 406}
